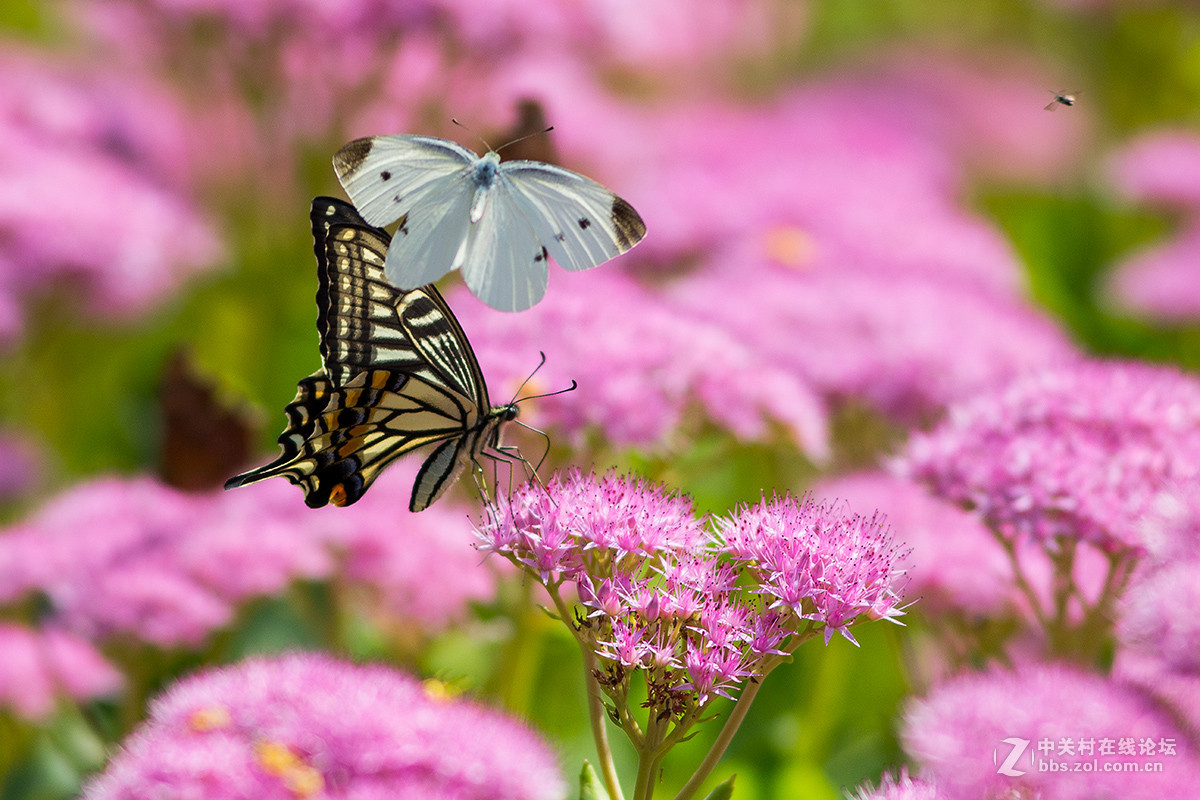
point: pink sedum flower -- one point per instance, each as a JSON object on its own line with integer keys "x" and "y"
{"x": 1162, "y": 168}
{"x": 1161, "y": 615}
{"x": 818, "y": 560}
{"x": 642, "y": 374}
{"x": 1157, "y": 631}
{"x": 956, "y": 562}
{"x": 311, "y": 726}
{"x": 958, "y": 734}
{"x": 136, "y": 558}
{"x": 905, "y": 344}
{"x": 91, "y": 151}
{"x": 1079, "y": 451}
{"x": 697, "y": 612}
{"x": 1160, "y": 282}
{"x": 860, "y": 184}
{"x": 40, "y": 666}
{"x": 902, "y": 787}
{"x": 1159, "y": 167}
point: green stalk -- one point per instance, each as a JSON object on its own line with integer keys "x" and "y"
{"x": 596, "y": 712}
{"x": 723, "y": 739}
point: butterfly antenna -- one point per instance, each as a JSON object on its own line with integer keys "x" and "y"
{"x": 525, "y": 382}
{"x": 473, "y": 133}
{"x": 570, "y": 388}
{"x": 523, "y": 138}
{"x": 541, "y": 364}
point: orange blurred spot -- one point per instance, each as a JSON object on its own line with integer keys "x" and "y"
{"x": 337, "y": 495}
{"x": 210, "y": 719}
{"x": 276, "y": 758}
{"x": 790, "y": 247}
{"x": 304, "y": 781}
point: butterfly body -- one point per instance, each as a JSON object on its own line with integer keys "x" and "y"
{"x": 398, "y": 374}
{"x": 1061, "y": 99}
{"x": 498, "y": 223}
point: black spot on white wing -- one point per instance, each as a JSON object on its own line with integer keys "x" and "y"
{"x": 386, "y": 175}
{"x": 584, "y": 223}
{"x": 540, "y": 256}
{"x": 347, "y": 161}
{"x": 627, "y": 224}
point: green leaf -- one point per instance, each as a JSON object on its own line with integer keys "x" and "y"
{"x": 724, "y": 791}
{"x": 590, "y": 787}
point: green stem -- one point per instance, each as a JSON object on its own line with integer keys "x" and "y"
{"x": 723, "y": 738}
{"x": 596, "y": 712}
{"x": 648, "y": 765}
{"x": 1063, "y": 582}
{"x": 1023, "y": 584}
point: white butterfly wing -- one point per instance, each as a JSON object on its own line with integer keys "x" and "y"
{"x": 386, "y": 175}
{"x": 581, "y": 223}
{"x": 423, "y": 182}
{"x": 431, "y": 236}
{"x": 504, "y": 262}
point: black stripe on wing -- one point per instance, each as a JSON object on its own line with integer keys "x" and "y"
{"x": 436, "y": 333}
{"x": 339, "y": 439}
{"x": 323, "y": 215}
{"x": 312, "y": 395}
{"x": 358, "y": 308}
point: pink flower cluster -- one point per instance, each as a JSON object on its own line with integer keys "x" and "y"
{"x": 1060, "y": 715}
{"x": 956, "y": 562}
{"x": 40, "y": 666}
{"x": 307, "y": 726}
{"x": 1079, "y": 451}
{"x": 136, "y": 558}
{"x": 1158, "y": 630}
{"x": 698, "y": 608}
{"x": 902, "y": 787}
{"x": 645, "y": 373}
{"x": 1161, "y": 168}
{"x": 93, "y": 153}
{"x": 845, "y": 270}
{"x": 907, "y": 345}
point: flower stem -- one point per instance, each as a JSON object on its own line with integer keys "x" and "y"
{"x": 1023, "y": 585}
{"x": 723, "y": 739}
{"x": 648, "y": 766}
{"x": 596, "y": 712}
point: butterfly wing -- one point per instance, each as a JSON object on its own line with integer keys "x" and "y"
{"x": 436, "y": 334}
{"x": 312, "y": 395}
{"x": 423, "y": 182}
{"x": 358, "y": 308}
{"x": 581, "y": 223}
{"x": 384, "y": 174}
{"x": 505, "y": 263}
{"x": 339, "y": 439}
{"x": 399, "y": 374}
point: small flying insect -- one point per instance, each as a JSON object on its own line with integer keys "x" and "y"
{"x": 1062, "y": 99}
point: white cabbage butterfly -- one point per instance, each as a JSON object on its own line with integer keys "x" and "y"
{"x": 497, "y": 223}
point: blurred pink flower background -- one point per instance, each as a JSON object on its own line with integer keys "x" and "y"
{"x": 833, "y": 294}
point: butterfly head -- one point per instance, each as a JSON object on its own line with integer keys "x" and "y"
{"x": 486, "y": 168}
{"x": 508, "y": 413}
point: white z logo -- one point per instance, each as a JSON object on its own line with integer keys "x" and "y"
{"x": 1018, "y": 750}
